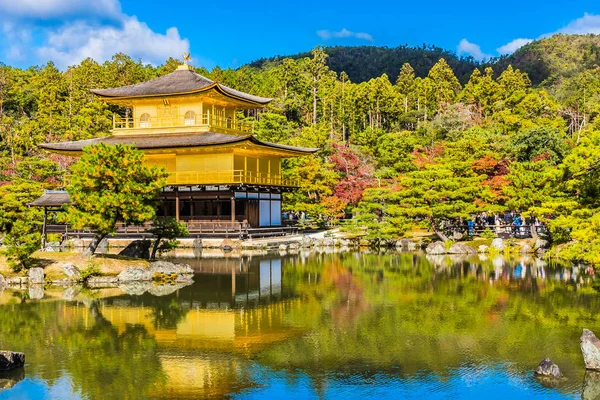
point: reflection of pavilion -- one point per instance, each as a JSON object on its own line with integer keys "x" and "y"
{"x": 234, "y": 309}
{"x": 233, "y": 282}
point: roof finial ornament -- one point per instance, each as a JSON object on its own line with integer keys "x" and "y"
{"x": 185, "y": 66}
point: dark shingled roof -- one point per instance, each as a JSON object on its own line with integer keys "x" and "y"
{"x": 165, "y": 141}
{"x": 52, "y": 198}
{"x": 177, "y": 82}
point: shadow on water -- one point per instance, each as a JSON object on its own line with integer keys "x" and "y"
{"x": 314, "y": 324}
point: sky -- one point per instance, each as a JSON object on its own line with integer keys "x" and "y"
{"x": 232, "y": 33}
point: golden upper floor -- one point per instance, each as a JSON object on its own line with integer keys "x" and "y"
{"x": 182, "y": 101}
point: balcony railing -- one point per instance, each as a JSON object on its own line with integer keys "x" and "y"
{"x": 228, "y": 177}
{"x": 177, "y": 121}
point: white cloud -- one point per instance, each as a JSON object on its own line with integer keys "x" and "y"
{"x": 83, "y": 32}
{"x": 344, "y": 33}
{"x": 589, "y": 23}
{"x": 472, "y": 49}
{"x": 513, "y": 46}
{"x": 49, "y": 9}
{"x": 70, "y": 44}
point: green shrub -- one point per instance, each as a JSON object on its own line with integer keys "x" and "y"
{"x": 91, "y": 269}
{"x": 488, "y": 234}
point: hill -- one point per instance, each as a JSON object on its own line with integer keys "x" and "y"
{"x": 546, "y": 60}
{"x": 362, "y": 63}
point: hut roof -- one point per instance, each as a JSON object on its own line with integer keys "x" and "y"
{"x": 166, "y": 141}
{"x": 52, "y": 198}
{"x": 181, "y": 81}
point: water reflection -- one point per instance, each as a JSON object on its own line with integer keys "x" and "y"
{"x": 311, "y": 325}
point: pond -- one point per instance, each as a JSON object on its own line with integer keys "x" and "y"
{"x": 311, "y": 325}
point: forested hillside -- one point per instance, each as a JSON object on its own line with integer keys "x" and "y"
{"x": 399, "y": 153}
{"x": 362, "y": 63}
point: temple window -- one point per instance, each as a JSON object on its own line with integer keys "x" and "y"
{"x": 189, "y": 118}
{"x": 145, "y": 121}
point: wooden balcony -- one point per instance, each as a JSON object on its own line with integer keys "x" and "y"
{"x": 229, "y": 177}
{"x": 204, "y": 122}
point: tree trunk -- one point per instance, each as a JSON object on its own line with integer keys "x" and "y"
{"x": 155, "y": 247}
{"x": 437, "y": 231}
{"x": 314, "y": 118}
{"x": 94, "y": 245}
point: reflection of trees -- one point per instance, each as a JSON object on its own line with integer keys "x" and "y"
{"x": 167, "y": 312}
{"x": 424, "y": 317}
{"x": 101, "y": 362}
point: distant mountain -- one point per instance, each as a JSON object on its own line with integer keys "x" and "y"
{"x": 362, "y": 63}
{"x": 546, "y": 60}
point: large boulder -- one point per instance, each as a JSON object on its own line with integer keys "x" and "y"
{"x": 436, "y": 248}
{"x": 541, "y": 244}
{"x": 498, "y": 244}
{"x": 482, "y": 249}
{"x": 137, "y": 249}
{"x": 135, "y": 274}
{"x": 548, "y": 369}
{"x": 10, "y": 360}
{"x": 459, "y": 248}
{"x": 406, "y": 244}
{"x": 71, "y": 271}
{"x": 590, "y": 347}
{"x": 197, "y": 244}
{"x": 226, "y": 245}
{"x": 36, "y": 275}
{"x": 2, "y": 281}
{"x": 169, "y": 268}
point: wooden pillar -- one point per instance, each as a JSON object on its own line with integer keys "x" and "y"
{"x": 233, "y": 209}
{"x": 177, "y": 205}
{"x": 44, "y": 228}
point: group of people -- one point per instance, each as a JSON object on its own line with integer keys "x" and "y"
{"x": 511, "y": 222}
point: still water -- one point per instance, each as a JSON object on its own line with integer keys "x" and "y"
{"x": 310, "y": 325}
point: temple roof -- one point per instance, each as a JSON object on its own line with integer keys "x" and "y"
{"x": 148, "y": 141}
{"x": 52, "y": 198}
{"x": 181, "y": 81}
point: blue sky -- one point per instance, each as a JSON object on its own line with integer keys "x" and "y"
{"x": 231, "y": 33}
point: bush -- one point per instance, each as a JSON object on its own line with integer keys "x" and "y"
{"x": 91, "y": 269}
{"x": 488, "y": 234}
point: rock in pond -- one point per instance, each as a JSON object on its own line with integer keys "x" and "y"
{"x": 590, "y": 347}
{"x": 459, "y": 248}
{"x": 482, "y": 249}
{"x": 10, "y": 360}
{"x": 36, "y": 275}
{"x": 169, "y": 268}
{"x": 71, "y": 271}
{"x": 436, "y": 248}
{"x": 548, "y": 369}
{"x": 227, "y": 245}
{"x": 137, "y": 249}
{"x": 135, "y": 274}
{"x": 498, "y": 244}
{"x": 2, "y": 281}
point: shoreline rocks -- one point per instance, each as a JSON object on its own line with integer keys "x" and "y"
{"x": 436, "y": 248}
{"x": 590, "y": 348}
{"x": 36, "y": 275}
{"x": 547, "y": 369}
{"x": 10, "y": 360}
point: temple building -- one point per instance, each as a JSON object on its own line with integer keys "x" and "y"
{"x": 219, "y": 172}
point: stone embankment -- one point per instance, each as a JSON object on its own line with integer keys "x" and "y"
{"x": 10, "y": 360}
{"x": 158, "y": 278}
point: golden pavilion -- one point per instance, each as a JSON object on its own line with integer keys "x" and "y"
{"x": 219, "y": 171}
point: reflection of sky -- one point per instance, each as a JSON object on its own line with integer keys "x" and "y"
{"x": 37, "y": 389}
{"x": 468, "y": 382}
